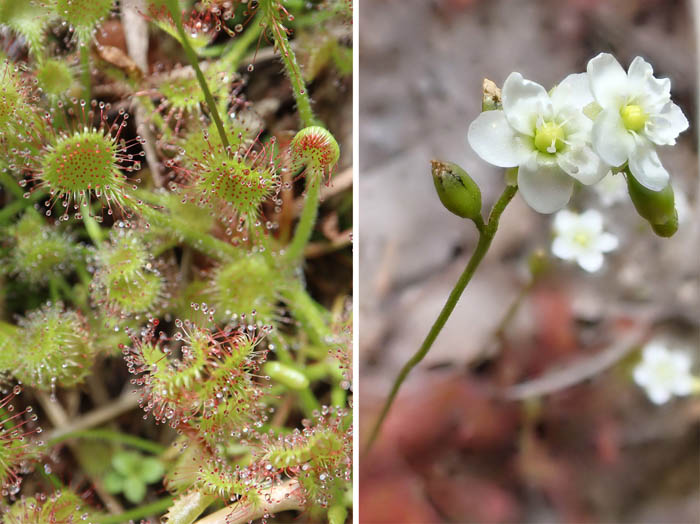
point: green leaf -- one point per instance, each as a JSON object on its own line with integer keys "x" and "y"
{"x": 134, "y": 489}
{"x": 152, "y": 470}
{"x": 126, "y": 462}
{"x": 114, "y": 482}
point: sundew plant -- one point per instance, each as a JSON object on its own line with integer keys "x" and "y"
{"x": 175, "y": 338}
{"x": 600, "y": 128}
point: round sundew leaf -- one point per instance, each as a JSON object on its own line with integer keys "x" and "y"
{"x": 246, "y": 285}
{"x": 135, "y": 296}
{"x": 26, "y": 18}
{"x": 235, "y": 182}
{"x": 84, "y": 15}
{"x": 183, "y": 92}
{"x": 63, "y": 506}
{"x": 11, "y": 97}
{"x": 39, "y": 251}
{"x": 81, "y": 162}
{"x": 124, "y": 257}
{"x": 55, "y": 77}
{"x": 54, "y": 348}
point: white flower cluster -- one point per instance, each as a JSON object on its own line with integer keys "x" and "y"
{"x": 589, "y": 123}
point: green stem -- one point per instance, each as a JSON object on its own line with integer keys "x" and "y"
{"x": 486, "y": 234}
{"x": 500, "y": 331}
{"x": 91, "y": 226}
{"x": 85, "y": 65}
{"x": 147, "y": 510}
{"x": 312, "y": 317}
{"x": 53, "y": 290}
{"x": 174, "y": 9}
{"x": 305, "y": 227}
{"x": 114, "y": 436}
{"x": 279, "y": 33}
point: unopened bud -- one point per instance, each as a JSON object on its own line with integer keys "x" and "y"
{"x": 667, "y": 229}
{"x": 538, "y": 262}
{"x": 657, "y": 207}
{"x": 456, "y": 190}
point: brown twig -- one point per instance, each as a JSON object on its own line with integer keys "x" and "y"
{"x": 60, "y": 419}
{"x": 124, "y": 403}
{"x": 580, "y": 370}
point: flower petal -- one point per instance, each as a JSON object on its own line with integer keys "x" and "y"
{"x": 608, "y": 81}
{"x": 583, "y": 164}
{"x": 495, "y": 141}
{"x": 610, "y": 138}
{"x": 606, "y": 242}
{"x": 658, "y": 395}
{"x": 591, "y": 261}
{"x": 642, "y": 376}
{"x": 664, "y": 127}
{"x": 523, "y": 102}
{"x": 565, "y": 221}
{"x": 592, "y": 221}
{"x": 564, "y": 249}
{"x": 574, "y": 90}
{"x": 646, "y": 166}
{"x": 654, "y": 352}
{"x": 546, "y": 189}
{"x": 682, "y": 385}
{"x": 654, "y": 91}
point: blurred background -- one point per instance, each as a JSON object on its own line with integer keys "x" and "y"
{"x": 535, "y": 418}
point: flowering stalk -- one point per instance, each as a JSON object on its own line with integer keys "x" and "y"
{"x": 302, "y": 234}
{"x": 486, "y": 233}
{"x": 174, "y": 9}
{"x": 271, "y": 10}
{"x": 85, "y": 65}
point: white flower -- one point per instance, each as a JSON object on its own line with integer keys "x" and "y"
{"x": 612, "y": 189}
{"x": 637, "y": 114}
{"x": 663, "y": 373}
{"x": 581, "y": 238}
{"x": 546, "y": 136}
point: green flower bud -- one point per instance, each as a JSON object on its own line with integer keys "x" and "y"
{"x": 456, "y": 190}
{"x": 668, "y": 228}
{"x": 655, "y": 206}
{"x": 538, "y": 263}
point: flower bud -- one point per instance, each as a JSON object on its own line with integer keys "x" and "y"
{"x": 668, "y": 228}
{"x": 538, "y": 263}
{"x": 456, "y": 190}
{"x": 655, "y": 206}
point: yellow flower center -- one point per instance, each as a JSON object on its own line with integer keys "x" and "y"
{"x": 549, "y": 138}
{"x": 633, "y": 117}
{"x": 582, "y": 238}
